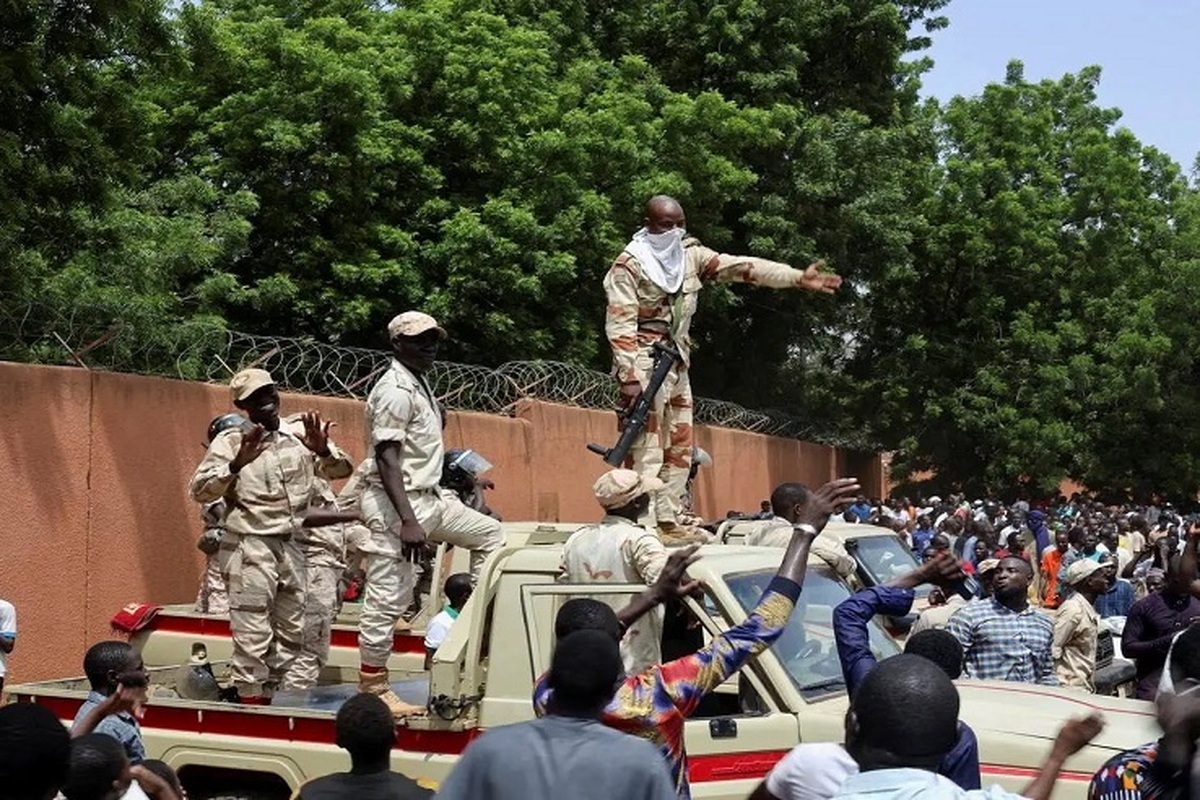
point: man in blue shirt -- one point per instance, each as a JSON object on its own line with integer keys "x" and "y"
{"x": 895, "y": 599}
{"x": 861, "y": 509}
{"x": 1119, "y": 597}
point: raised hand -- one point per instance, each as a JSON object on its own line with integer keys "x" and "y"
{"x": 826, "y": 500}
{"x": 316, "y": 433}
{"x": 253, "y": 445}
{"x": 673, "y": 582}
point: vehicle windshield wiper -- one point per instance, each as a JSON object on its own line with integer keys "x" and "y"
{"x": 828, "y": 683}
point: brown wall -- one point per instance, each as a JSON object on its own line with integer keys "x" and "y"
{"x": 95, "y": 467}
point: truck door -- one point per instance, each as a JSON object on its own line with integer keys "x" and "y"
{"x": 740, "y": 732}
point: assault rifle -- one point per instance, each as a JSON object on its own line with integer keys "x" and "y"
{"x": 634, "y": 419}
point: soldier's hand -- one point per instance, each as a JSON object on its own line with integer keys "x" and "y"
{"x": 252, "y": 447}
{"x": 816, "y": 281}
{"x": 410, "y": 532}
{"x": 826, "y": 500}
{"x": 673, "y": 582}
{"x": 629, "y": 394}
{"x": 316, "y": 433}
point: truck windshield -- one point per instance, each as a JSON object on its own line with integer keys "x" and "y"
{"x": 884, "y": 558}
{"x": 807, "y": 649}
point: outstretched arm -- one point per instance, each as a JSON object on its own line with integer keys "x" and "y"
{"x": 724, "y": 268}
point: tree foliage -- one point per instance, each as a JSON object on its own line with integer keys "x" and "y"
{"x": 1019, "y": 267}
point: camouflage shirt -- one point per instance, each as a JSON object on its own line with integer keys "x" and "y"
{"x": 640, "y": 312}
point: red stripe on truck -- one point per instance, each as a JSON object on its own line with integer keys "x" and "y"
{"x": 218, "y": 627}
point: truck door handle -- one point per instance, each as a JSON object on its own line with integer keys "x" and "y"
{"x": 722, "y": 728}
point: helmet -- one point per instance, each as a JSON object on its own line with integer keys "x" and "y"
{"x": 461, "y": 467}
{"x": 224, "y": 423}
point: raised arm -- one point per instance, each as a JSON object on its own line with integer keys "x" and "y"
{"x": 226, "y": 456}
{"x": 1072, "y": 737}
{"x": 689, "y": 679}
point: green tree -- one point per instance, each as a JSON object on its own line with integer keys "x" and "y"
{"x": 1025, "y": 342}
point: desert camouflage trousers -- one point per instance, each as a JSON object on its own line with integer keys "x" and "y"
{"x": 391, "y": 577}
{"x": 665, "y": 447}
{"x": 321, "y": 606}
{"x": 266, "y": 580}
{"x": 212, "y": 597}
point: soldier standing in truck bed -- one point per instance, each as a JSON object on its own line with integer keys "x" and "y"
{"x": 652, "y": 289}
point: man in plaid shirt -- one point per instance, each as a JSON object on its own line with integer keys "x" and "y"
{"x": 1003, "y": 638}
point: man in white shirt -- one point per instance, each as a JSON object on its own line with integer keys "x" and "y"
{"x": 8, "y": 636}
{"x": 458, "y": 592}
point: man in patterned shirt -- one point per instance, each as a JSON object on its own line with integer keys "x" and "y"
{"x": 652, "y": 288}
{"x": 1160, "y": 770}
{"x": 655, "y": 703}
{"x": 1003, "y": 637}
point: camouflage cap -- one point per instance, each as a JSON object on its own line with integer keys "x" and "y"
{"x": 413, "y": 323}
{"x": 620, "y": 487}
{"x": 249, "y": 381}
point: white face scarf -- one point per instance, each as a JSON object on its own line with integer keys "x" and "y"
{"x": 661, "y": 257}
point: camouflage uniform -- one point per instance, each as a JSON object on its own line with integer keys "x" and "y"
{"x": 324, "y": 551}
{"x": 619, "y": 551}
{"x": 401, "y": 408}
{"x": 640, "y": 313}
{"x": 213, "y": 598}
{"x": 260, "y": 559}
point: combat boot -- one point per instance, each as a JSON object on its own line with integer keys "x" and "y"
{"x": 376, "y": 683}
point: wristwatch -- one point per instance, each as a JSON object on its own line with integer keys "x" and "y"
{"x": 804, "y": 527}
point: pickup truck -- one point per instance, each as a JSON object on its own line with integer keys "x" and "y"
{"x": 482, "y": 675}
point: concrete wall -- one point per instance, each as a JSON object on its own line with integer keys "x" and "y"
{"x": 95, "y": 467}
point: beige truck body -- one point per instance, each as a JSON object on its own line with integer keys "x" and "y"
{"x": 483, "y": 674}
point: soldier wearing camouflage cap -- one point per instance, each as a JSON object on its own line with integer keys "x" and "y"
{"x": 266, "y": 472}
{"x": 402, "y": 503}
{"x": 652, "y": 288}
{"x": 619, "y": 550}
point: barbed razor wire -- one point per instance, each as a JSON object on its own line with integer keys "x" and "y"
{"x": 112, "y": 339}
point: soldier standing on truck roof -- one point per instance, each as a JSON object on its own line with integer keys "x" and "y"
{"x": 402, "y": 502}
{"x": 619, "y": 550}
{"x": 266, "y": 475}
{"x": 652, "y": 289}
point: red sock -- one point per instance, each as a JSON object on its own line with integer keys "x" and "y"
{"x": 372, "y": 670}
{"x": 258, "y": 700}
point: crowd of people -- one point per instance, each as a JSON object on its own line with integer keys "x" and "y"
{"x": 1019, "y": 594}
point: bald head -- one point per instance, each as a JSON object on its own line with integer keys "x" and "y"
{"x": 664, "y": 213}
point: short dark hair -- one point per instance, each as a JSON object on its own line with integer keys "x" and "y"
{"x": 907, "y": 714}
{"x": 458, "y": 588}
{"x": 586, "y": 614}
{"x": 1185, "y": 655}
{"x": 787, "y": 496}
{"x": 35, "y": 751}
{"x": 940, "y": 647}
{"x": 103, "y": 658}
{"x": 584, "y": 671}
{"x": 365, "y": 728}
{"x": 97, "y": 761}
